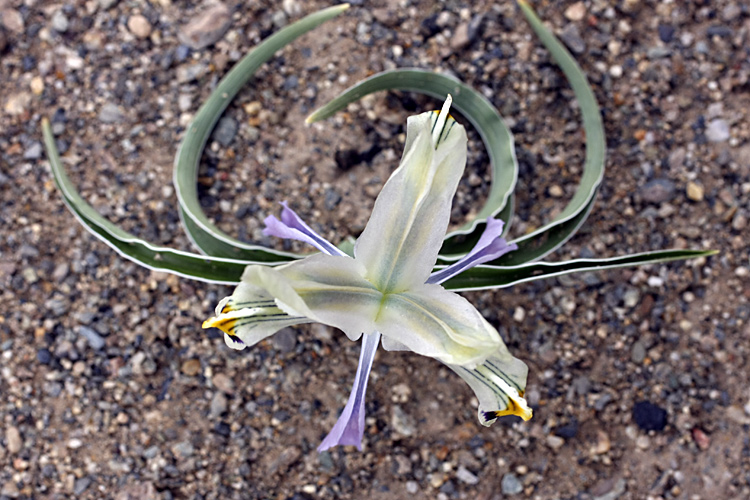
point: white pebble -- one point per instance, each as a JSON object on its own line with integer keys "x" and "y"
{"x": 655, "y": 281}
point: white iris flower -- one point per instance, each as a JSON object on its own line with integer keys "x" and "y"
{"x": 388, "y": 291}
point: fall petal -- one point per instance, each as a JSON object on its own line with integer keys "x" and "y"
{"x": 499, "y": 384}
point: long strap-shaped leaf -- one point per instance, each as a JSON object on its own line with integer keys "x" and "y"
{"x": 206, "y": 236}
{"x": 229, "y": 271}
{"x": 495, "y": 135}
{"x": 546, "y": 239}
{"x": 186, "y": 264}
{"x": 488, "y": 277}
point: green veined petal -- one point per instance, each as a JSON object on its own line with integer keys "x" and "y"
{"x": 499, "y": 384}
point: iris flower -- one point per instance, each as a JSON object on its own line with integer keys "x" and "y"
{"x": 387, "y": 292}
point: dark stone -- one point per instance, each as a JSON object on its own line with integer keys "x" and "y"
{"x": 476, "y": 442}
{"x": 282, "y": 415}
{"x": 222, "y": 429}
{"x": 448, "y": 488}
{"x": 649, "y": 417}
{"x": 332, "y": 199}
{"x": 81, "y": 485}
{"x": 291, "y": 82}
{"x": 28, "y": 62}
{"x": 429, "y": 27}
{"x": 346, "y": 159}
{"x": 44, "y": 356}
{"x": 722, "y": 31}
{"x": 49, "y": 470}
{"x": 567, "y": 431}
{"x": 666, "y": 33}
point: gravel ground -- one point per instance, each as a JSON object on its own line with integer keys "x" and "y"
{"x": 638, "y": 377}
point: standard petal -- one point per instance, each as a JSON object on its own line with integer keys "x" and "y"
{"x": 402, "y": 239}
{"x": 432, "y": 321}
{"x": 489, "y": 247}
{"x": 291, "y": 226}
{"x": 326, "y": 289}
{"x": 350, "y": 426}
{"x": 499, "y": 385}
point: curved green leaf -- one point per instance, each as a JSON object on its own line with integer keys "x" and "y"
{"x": 188, "y": 265}
{"x": 206, "y": 236}
{"x": 229, "y": 271}
{"x": 548, "y": 238}
{"x": 485, "y": 277}
{"x": 495, "y": 135}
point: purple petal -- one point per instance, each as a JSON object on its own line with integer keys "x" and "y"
{"x": 350, "y": 426}
{"x": 292, "y": 227}
{"x": 489, "y": 247}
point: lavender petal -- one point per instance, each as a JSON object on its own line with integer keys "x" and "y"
{"x": 292, "y": 227}
{"x": 350, "y": 427}
{"x": 489, "y": 247}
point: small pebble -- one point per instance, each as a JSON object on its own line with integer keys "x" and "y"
{"x": 191, "y": 367}
{"x": 110, "y": 113}
{"x": 218, "y": 405}
{"x": 717, "y": 130}
{"x": 285, "y": 340}
{"x": 44, "y": 356}
{"x": 184, "y": 102}
{"x": 225, "y": 131}
{"x": 555, "y": 442}
{"x": 60, "y": 23}
{"x": 571, "y": 36}
{"x": 183, "y": 449}
{"x": 466, "y": 476}
{"x": 94, "y": 339}
{"x": 17, "y": 103}
{"x": 694, "y": 191}
{"x": 13, "y": 439}
{"x": 402, "y": 422}
{"x": 638, "y": 353}
{"x": 643, "y": 442}
{"x": 206, "y": 28}
{"x": 603, "y": 443}
{"x": 12, "y": 20}
{"x": 81, "y": 485}
{"x": 223, "y": 382}
{"x": 658, "y": 191}
{"x": 649, "y": 416}
{"x": 139, "y": 26}
{"x": 33, "y": 152}
{"x": 511, "y": 485}
{"x": 575, "y": 12}
{"x": 37, "y": 85}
